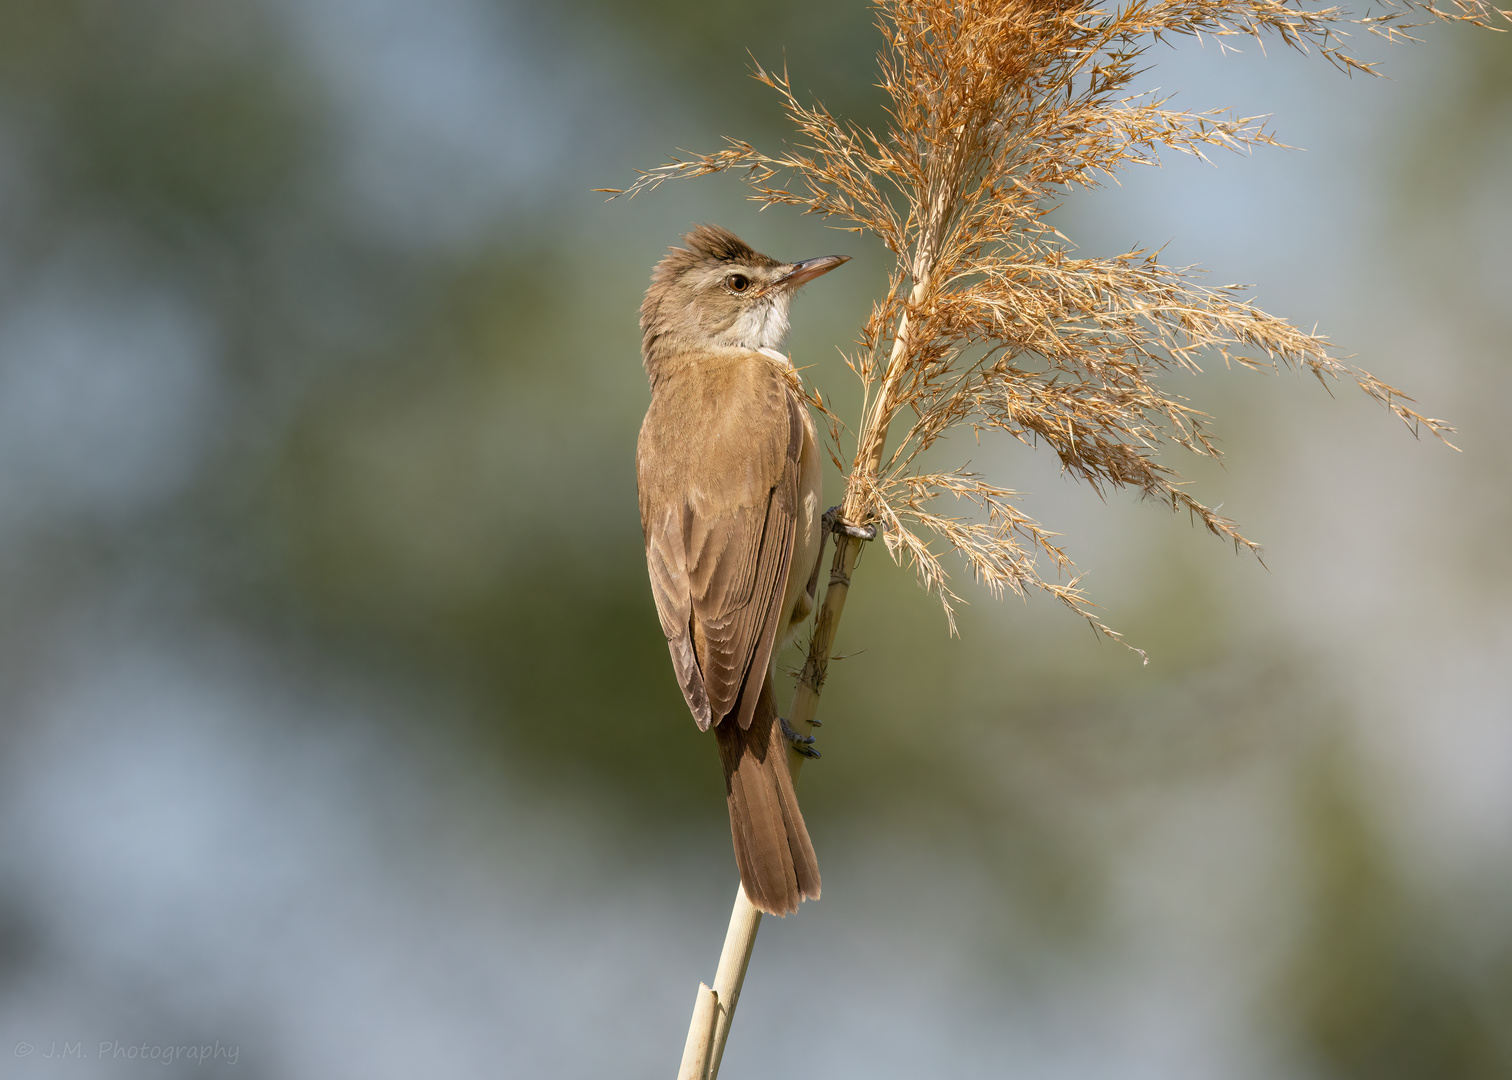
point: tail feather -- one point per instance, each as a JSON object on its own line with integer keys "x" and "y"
{"x": 772, "y": 848}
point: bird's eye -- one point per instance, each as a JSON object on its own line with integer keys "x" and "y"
{"x": 738, "y": 282}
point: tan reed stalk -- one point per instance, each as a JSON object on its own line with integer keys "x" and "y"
{"x": 699, "y": 1049}
{"x": 992, "y": 322}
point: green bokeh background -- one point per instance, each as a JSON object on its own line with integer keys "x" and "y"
{"x": 319, "y": 389}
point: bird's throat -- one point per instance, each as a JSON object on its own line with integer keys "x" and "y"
{"x": 763, "y": 325}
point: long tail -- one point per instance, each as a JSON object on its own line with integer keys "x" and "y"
{"x": 772, "y": 848}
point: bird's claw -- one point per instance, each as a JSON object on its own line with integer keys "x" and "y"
{"x": 833, "y": 524}
{"x": 804, "y": 744}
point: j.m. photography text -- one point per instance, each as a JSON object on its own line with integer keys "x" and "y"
{"x": 114, "y": 1049}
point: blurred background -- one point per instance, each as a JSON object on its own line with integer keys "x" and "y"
{"x": 338, "y": 730}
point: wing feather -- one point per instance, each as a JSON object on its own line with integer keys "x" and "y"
{"x": 719, "y": 495}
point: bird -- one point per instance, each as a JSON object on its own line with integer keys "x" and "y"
{"x": 728, "y": 473}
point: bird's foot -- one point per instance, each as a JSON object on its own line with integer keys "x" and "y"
{"x": 804, "y": 744}
{"x": 832, "y": 524}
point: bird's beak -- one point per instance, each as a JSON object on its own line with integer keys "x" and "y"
{"x": 806, "y": 271}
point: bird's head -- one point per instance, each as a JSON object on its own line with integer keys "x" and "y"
{"x": 717, "y": 291}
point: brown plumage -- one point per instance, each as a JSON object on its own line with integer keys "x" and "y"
{"x": 728, "y": 471}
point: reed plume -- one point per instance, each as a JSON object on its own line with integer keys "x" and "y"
{"x": 992, "y": 320}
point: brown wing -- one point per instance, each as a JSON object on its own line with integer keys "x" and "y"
{"x": 718, "y": 472}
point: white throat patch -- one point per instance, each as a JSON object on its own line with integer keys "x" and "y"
{"x": 763, "y": 326}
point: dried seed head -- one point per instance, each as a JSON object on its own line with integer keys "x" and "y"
{"x": 991, "y": 322}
